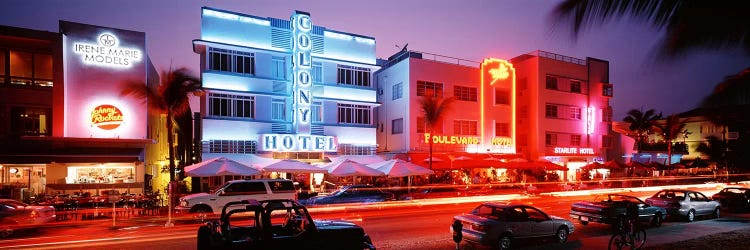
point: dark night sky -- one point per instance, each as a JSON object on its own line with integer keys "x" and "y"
{"x": 465, "y": 29}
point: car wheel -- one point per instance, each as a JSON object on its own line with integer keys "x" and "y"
{"x": 562, "y": 234}
{"x": 717, "y": 213}
{"x": 656, "y": 221}
{"x": 204, "y": 238}
{"x": 5, "y": 233}
{"x": 504, "y": 242}
{"x": 691, "y": 215}
{"x": 200, "y": 212}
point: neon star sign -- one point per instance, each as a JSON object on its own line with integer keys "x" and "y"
{"x": 499, "y": 73}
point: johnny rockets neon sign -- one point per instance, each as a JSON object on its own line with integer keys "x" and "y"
{"x": 107, "y": 117}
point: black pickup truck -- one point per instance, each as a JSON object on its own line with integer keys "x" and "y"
{"x": 609, "y": 210}
{"x": 278, "y": 224}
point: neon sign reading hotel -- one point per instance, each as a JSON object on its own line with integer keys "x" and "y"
{"x": 107, "y": 52}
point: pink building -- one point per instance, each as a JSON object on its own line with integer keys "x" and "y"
{"x": 564, "y": 110}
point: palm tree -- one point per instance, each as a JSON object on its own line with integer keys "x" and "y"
{"x": 670, "y": 130}
{"x": 642, "y": 123}
{"x": 434, "y": 109}
{"x": 170, "y": 98}
{"x": 729, "y": 103}
{"x": 714, "y": 148}
{"x": 688, "y": 24}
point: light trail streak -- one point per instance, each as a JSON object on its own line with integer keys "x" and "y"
{"x": 101, "y": 242}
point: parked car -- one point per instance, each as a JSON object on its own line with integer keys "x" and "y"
{"x": 502, "y": 225}
{"x": 610, "y": 209}
{"x": 17, "y": 215}
{"x": 436, "y": 191}
{"x": 734, "y": 198}
{"x": 278, "y": 224}
{"x": 359, "y": 193}
{"x": 685, "y": 203}
{"x": 237, "y": 190}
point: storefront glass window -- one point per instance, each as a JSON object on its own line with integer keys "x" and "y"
{"x": 100, "y": 174}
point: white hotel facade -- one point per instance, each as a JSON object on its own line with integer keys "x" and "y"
{"x": 284, "y": 88}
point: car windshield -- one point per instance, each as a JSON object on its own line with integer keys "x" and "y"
{"x": 213, "y": 190}
{"x": 624, "y": 198}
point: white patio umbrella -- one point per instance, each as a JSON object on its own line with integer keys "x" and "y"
{"x": 292, "y": 166}
{"x": 220, "y": 166}
{"x": 351, "y": 168}
{"x": 400, "y": 168}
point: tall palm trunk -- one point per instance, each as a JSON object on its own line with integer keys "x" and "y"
{"x": 430, "y": 142}
{"x": 170, "y": 144}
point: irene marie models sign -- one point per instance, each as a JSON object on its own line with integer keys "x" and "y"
{"x": 107, "y": 52}
{"x": 97, "y": 61}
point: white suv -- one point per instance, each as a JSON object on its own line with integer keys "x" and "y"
{"x": 237, "y": 190}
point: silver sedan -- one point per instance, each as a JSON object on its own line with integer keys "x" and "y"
{"x": 502, "y": 224}
{"x": 685, "y": 203}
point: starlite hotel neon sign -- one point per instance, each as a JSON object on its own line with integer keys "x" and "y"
{"x": 301, "y": 65}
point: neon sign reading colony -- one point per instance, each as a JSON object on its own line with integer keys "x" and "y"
{"x": 107, "y": 52}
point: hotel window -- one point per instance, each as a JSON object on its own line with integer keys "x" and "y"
{"x": 607, "y": 114}
{"x": 502, "y": 97}
{"x": 607, "y": 90}
{"x": 231, "y": 146}
{"x": 278, "y": 109}
{"x": 354, "y": 114}
{"x": 550, "y": 111}
{"x": 551, "y": 82}
{"x": 550, "y": 139}
{"x": 422, "y": 126}
{"x": 25, "y": 68}
{"x": 398, "y": 91}
{"x": 575, "y": 140}
{"x": 231, "y": 61}
{"x": 317, "y": 72}
{"x": 463, "y": 127}
{"x": 575, "y": 113}
{"x": 30, "y": 121}
{"x": 429, "y": 88}
{"x": 575, "y": 86}
{"x": 397, "y": 126}
{"x": 465, "y": 93}
{"x": 351, "y": 75}
{"x": 278, "y": 67}
{"x": 606, "y": 141}
{"x": 231, "y": 105}
{"x": 3, "y": 57}
{"x": 317, "y": 112}
{"x": 502, "y": 129}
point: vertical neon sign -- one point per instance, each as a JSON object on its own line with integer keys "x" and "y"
{"x": 499, "y": 73}
{"x": 590, "y": 120}
{"x": 302, "y": 80}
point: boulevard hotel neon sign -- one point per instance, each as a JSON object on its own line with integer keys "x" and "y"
{"x": 301, "y": 25}
{"x": 465, "y": 140}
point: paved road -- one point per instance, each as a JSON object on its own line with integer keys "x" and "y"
{"x": 404, "y": 225}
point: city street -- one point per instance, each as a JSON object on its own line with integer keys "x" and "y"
{"x": 397, "y": 225}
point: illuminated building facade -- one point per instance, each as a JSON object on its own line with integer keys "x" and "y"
{"x": 285, "y": 88}
{"x": 564, "y": 110}
{"x": 65, "y": 127}
{"x": 480, "y": 120}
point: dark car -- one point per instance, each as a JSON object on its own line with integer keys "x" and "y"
{"x": 502, "y": 225}
{"x": 436, "y": 191}
{"x": 685, "y": 203}
{"x": 359, "y": 193}
{"x": 278, "y": 224}
{"x": 613, "y": 207}
{"x": 734, "y": 198}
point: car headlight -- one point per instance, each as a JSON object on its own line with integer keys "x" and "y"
{"x": 184, "y": 203}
